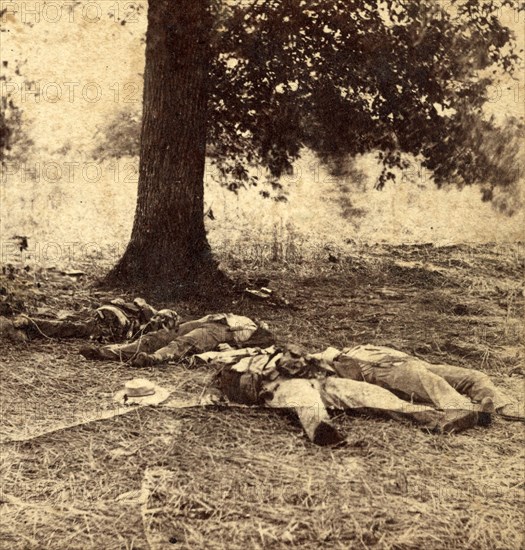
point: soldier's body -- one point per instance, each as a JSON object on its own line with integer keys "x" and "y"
{"x": 436, "y": 397}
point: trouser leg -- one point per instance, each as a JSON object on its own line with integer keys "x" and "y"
{"x": 344, "y": 394}
{"x": 199, "y": 340}
{"x": 52, "y": 328}
{"x": 412, "y": 377}
{"x": 303, "y": 396}
{"x": 148, "y": 343}
{"x": 476, "y": 385}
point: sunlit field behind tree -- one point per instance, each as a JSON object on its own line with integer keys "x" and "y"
{"x": 88, "y": 72}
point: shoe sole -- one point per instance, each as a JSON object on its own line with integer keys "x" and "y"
{"x": 327, "y": 435}
{"x": 460, "y": 423}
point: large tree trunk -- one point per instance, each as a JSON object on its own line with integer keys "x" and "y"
{"x": 168, "y": 245}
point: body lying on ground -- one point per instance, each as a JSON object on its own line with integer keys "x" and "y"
{"x": 185, "y": 339}
{"x": 114, "y": 321}
{"x": 439, "y": 398}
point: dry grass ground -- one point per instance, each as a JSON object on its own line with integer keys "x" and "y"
{"x": 228, "y": 478}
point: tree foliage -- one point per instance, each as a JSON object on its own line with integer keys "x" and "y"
{"x": 346, "y": 77}
{"x": 120, "y": 137}
{"x": 14, "y": 140}
{"x": 7, "y": 112}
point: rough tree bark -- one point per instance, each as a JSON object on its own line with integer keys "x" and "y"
{"x": 168, "y": 250}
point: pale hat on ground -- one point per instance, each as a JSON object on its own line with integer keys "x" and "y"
{"x": 141, "y": 391}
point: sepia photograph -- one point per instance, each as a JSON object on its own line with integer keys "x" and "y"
{"x": 262, "y": 274}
